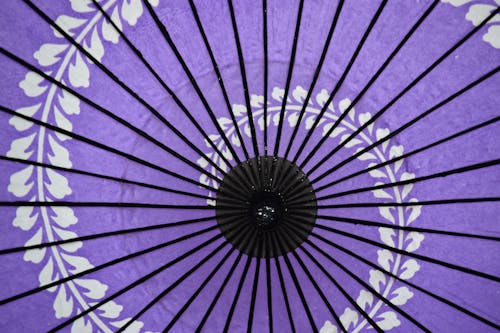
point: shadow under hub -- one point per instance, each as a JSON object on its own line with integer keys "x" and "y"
{"x": 266, "y": 207}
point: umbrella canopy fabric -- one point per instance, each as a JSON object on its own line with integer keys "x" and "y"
{"x": 266, "y": 166}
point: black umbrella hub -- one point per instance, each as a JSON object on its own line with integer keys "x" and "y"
{"x": 257, "y": 206}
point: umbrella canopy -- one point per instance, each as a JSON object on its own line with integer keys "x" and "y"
{"x": 266, "y": 166}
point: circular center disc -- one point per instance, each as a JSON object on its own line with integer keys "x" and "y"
{"x": 266, "y": 207}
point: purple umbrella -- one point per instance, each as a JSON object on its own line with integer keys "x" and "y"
{"x": 266, "y": 166}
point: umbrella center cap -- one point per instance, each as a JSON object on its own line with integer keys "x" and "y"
{"x": 266, "y": 207}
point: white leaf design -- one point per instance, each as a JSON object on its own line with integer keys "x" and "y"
{"x": 79, "y": 264}
{"x": 493, "y": 36}
{"x": 202, "y": 162}
{"x": 70, "y": 104}
{"x": 328, "y": 327}
{"x": 389, "y": 320}
{"x": 386, "y": 213}
{"x": 66, "y": 234}
{"x": 235, "y": 140}
{"x": 224, "y": 123}
{"x": 46, "y": 274}
{"x": 377, "y": 279}
{"x": 365, "y": 299}
{"x": 335, "y": 132}
{"x": 407, "y": 188}
{"x": 47, "y": 54}
{"x": 322, "y": 98}
{"x": 57, "y": 185}
{"x": 19, "y": 184}
{"x": 363, "y": 118}
{"x": 78, "y": 73}
{"x": 292, "y": 119}
{"x": 81, "y": 326}
{"x": 349, "y": 317}
{"x": 385, "y": 258}
{"x": 95, "y": 289}
{"x": 376, "y": 173}
{"x": 96, "y": 49}
{"x": 365, "y": 156}
{"x": 63, "y": 305}
{"x": 111, "y": 310}
{"x": 299, "y": 94}
{"x": 21, "y": 124}
{"x": 82, "y": 6}
{"x": 135, "y": 327}
{"x": 256, "y": 101}
{"x": 415, "y": 239}
{"x": 64, "y": 217}
{"x": 344, "y": 104}
{"x": 31, "y": 85}
{"x": 61, "y": 120}
{"x": 457, "y": 3}
{"x": 381, "y": 133}
{"x": 24, "y": 218}
{"x": 380, "y": 193}
{"x": 67, "y": 24}
{"x": 415, "y": 211}
{"x": 239, "y": 110}
{"x": 18, "y": 147}
{"x": 478, "y": 12}
{"x": 409, "y": 268}
{"x": 60, "y": 155}
{"x": 131, "y": 10}
{"x": 276, "y": 118}
{"x": 352, "y": 142}
{"x": 35, "y": 255}
{"x": 386, "y": 235}
{"x": 310, "y": 121}
{"x": 396, "y": 151}
{"x": 403, "y": 294}
{"x": 109, "y": 33}
{"x": 278, "y": 94}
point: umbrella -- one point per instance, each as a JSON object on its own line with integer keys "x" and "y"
{"x": 281, "y": 166}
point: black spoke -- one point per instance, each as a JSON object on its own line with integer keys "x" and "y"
{"x": 131, "y": 92}
{"x": 412, "y": 285}
{"x": 288, "y": 77}
{"x": 409, "y": 124}
{"x": 416, "y": 151}
{"x": 269, "y": 294}
{"x": 195, "y": 85}
{"x": 393, "y": 100}
{"x": 322, "y": 58}
{"x": 266, "y": 74}
{"x": 408, "y": 204}
{"x": 237, "y": 295}
{"x": 241, "y": 62}
{"x": 106, "y": 177}
{"x": 334, "y": 91}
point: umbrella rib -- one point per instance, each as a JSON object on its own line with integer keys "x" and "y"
{"x": 135, "y": 284}
{"x": 254, "y": 290}
{"x": 346, "y": 71}
{"x": 322, "y": 58}
{"x": 131, "y": 92}
{"x": 241, "y": 62}
{"x": 410, "y": 254}
{"x": 468, "y": 168}
{"x": 105, "y": 234}
{"x": 198, "y": 291}
{"x": 412, "y": 285}
{"x": 219, "y": 292}
{"x": 408, "y": 124}
{"x": 404, "y": 228}
{"x": 108, "y": 264}
{"x": 266, "y": 74}
{"x": 298, "y": 288}
{"x": 367, "y": 286}
{"x": 111, "y": 149}
{"x": 283, "y": 285}
{"x": 288, "y": 77}
{"x": 106, "y": 177}
{"x": 269, "y": 294}
{"x": 407, "y": 204}
{"x": 393, "y": 100}
{"x": 173, "y": 285}
{"x": 219, "y": 76}
{"x": 191, "y": 78}
{"x": 416, "y": 151}
{"x": 237, "y": 295}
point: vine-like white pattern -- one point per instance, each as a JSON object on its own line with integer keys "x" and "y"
{"x": 47, "y": 224}
{"x": 478, "y": 11}
{"x": 409, "y": 241}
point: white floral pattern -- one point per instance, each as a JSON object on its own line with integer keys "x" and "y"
{"x": 408, "y": 241}
{"x": 46, "y": 224}
{"x": 478, "y": 11}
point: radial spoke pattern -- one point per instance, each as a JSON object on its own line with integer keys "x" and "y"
{"x": 274, "y": 199}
